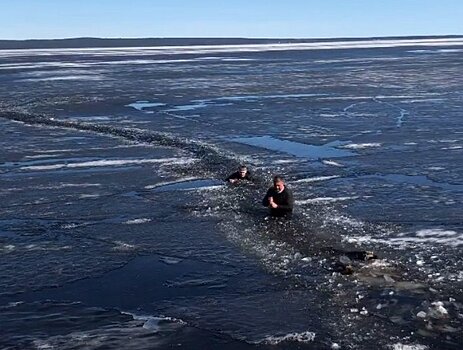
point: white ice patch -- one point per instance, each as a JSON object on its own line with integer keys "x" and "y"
{"x": 425, "y": 100}
{"x": 108, "y": 162}
{"x": 452, "y": 147}
{"x": 65, "y": 185}
{"x": 303, "y": 337}
{"x": 165, "y": 183}
{"x": 285, "y": 161}
{"x": 191, "y": 185}
{"x": 122, "y": 246}
{"x": 57, "y": 150}
{"x": 400, "y": 346}
{"x": 170, "y": 260}
{"x": 7, "y": 248}
{"x": 436, "y": 168}
{"x": 325, "y": 200}
{"x": 40, "y": 156}
{"x": 450, "y": 50}
{"x": 448, "y": 141}
{"x": 315, "y": 179}
{"x": 361, "y": 145}
{"x": 85, "y": 195}
{"x": 96, "y": 118}
{"x": 140, "y": 105}
{"x": 211, "y": 188}
{"x": 35, "y": 247}
{"x": 65, "y": 78}
{"x": 332, "y": 162}
{"x": 436, "y": 233}
{"x": 426, "y": 236}
{"x": 238, "y": 59}
{"x": 263, "y": 97}
{"x": 137, "y": 221}
{"x": 436, "y": 51}
{"x": 69, "y": 226}
{"x": 43, "y": 345}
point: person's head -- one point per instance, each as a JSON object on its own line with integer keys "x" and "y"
{"x": 243, "y": 170}
{"x": 279, "y": 183}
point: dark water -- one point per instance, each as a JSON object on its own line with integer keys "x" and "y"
{"x": 117, "y": 231}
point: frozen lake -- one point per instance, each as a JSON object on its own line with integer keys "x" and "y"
{"x": 116, "y": 229}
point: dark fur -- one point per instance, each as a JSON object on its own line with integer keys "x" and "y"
{"x": 346, "y": 262}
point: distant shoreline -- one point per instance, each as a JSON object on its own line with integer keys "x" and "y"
{"x": 153, "y": 42}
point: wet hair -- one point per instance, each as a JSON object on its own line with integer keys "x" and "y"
{"x": 278, "y": 178}
{"x": 243, "y": 167}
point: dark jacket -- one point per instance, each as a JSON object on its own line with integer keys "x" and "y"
{"x": 284, "y": 200}
{"x": 237, "y": 176}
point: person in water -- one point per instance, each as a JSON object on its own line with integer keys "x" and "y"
{"x": 279, "y": 199}
{"x": 240, "y": 175}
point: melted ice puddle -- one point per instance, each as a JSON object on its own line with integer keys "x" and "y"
{"x": 297, "y": 149}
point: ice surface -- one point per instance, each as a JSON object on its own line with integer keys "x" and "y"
{"x": 214, "y": 258}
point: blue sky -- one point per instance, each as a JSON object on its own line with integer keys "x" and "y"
{"x": 42, "y": 19}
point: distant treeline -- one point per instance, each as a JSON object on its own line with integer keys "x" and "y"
{"x": 146, "y": 42}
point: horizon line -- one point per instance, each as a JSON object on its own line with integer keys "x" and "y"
{"x": 238, "y": 37}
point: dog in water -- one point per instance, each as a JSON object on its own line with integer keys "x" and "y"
{"x": 347, "y": 261}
